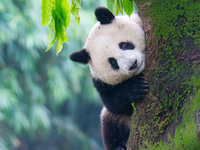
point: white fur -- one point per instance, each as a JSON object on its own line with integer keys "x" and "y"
{"x": 118, "y": 119}
{"x": 103, "y": 42}
{"x": 136, "y": 18}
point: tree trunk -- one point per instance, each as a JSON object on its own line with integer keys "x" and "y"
{"x": 169, "y": 116}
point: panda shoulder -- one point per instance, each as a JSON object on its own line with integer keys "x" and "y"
{"x": 118, "y": 119}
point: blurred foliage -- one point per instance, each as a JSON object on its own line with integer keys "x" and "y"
{"x": 47, "y": 101}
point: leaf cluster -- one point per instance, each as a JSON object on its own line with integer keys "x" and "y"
{"x": 56, "y": 13}
{"x": 117, "y": 6}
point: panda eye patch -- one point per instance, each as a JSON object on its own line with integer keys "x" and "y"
{"x": 126, "y": 46}
{"x": 113, "y": 63}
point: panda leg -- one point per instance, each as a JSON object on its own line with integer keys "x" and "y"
{"x": 115, "y": 135}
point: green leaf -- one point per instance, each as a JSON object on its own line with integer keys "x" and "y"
{"x": 58, "y": 25}
{"x": 61, "y": 34}
{"x": 119, "y": 3}
{"x": 75, "y": 8}
{"x": 61, "y": 38}
{"x": 47, "y": 7}
{"x": 52, "y": 32}
{"x": 128, "y": 6}
{"x": 110, "y": 5}
{"x": 62, "y": 10}
{"x": 133, "y": 105}
{"x": 115, "y": 8}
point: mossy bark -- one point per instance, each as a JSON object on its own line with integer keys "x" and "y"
{"x": 169, "y": 117}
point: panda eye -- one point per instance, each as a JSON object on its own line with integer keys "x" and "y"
{"x": 113, "y": 63}
{"x": 126, "y": 46}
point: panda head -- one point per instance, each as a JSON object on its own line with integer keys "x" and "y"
{"x": 115, "y": 47}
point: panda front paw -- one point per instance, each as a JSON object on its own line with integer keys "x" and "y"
{"x": 140, "y": 89}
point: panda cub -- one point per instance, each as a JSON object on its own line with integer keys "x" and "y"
{"x": 115, "y": 51}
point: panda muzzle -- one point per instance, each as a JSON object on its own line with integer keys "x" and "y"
{"x": 134, "y": 65}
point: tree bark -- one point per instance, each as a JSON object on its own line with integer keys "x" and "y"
{"x": 169, "y": 116}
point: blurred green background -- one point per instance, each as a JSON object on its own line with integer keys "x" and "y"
{"x": 46, "y": 101}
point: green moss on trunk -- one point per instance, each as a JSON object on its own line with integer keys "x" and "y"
{"x": 172, "y": 70}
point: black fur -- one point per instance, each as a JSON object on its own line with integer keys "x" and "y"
{"x": 113, "y": 63}
{"x": 115, "y": 136}
{"x": 104, "y": 15}
{"x": 117, "y": 99}
{"x": 126, "y": 46}
{"x": 81, "y": 56}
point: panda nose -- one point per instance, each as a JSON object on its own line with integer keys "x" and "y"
{"x": 134, "y": 65}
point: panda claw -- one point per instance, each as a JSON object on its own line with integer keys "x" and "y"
{"x": 145, "y": 82}
{"x": 140, "y": 76}
{"x": 144, "y": 85}
{"x": 146, "y": 91}
{"x": 142, "y": 81}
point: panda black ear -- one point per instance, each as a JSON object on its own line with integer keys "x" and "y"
{"x": 81, "y": 56}
{"x": 104, "y": 15}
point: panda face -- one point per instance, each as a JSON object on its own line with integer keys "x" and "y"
{"x": 123, "y": 46}
{"x": 115, "y": 48}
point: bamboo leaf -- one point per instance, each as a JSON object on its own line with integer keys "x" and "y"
{"x": 47, "y": 7}
{"x": 128, "y": 6}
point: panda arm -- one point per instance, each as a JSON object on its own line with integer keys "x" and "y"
{"x": 117, "y": 99}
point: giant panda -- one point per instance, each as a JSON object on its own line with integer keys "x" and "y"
{"x": 115, "y": 51}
